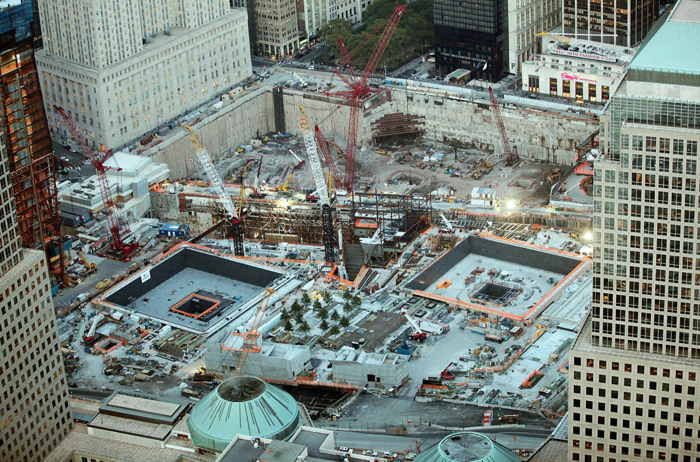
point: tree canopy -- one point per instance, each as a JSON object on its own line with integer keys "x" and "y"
{"x": 413, "y": 36}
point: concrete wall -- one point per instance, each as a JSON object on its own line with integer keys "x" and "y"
{"x": 354, "y": 373}
{"x": 538, "y": 134}
{"x": 221, "y": 131}
{"x": 258, "y": 365}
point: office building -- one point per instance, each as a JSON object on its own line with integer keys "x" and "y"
{"x": 317, "y": 13}
{"x": 122, "y": 68}
{"x": 619, "y": 22}
{"x": 592, "y": 73}
{"x": 274, "y": 25}
{"x": 34, "y": 415}
{"x": 634, "y": 393}
{"x": 31, "y": 161}
{"x": 526, "y": 19}
{"x": 471, "y": 34}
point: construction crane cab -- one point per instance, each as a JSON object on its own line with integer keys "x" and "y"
{"x": 418, "y": 335}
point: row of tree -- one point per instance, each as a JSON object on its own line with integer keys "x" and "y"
{"x": 413, "y": 36}
{"x": 294, "y": 317}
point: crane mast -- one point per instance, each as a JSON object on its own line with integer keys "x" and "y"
{"x": 322, "y": 188}
{"x": 511, "y": 157}
{"x": 359, "y": 90}
{"x": 235, "y": 230}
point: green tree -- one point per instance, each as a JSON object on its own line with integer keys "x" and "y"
{"x": 327, "y": 297}
{"x": 344, "y": 321}
{"x": 347, "y": 307}
{"x": 356, "y": 300}
{"x": 304, "y": 326}
{"x": 317, "y": 306}
{"x": 334, "y": 331}
{"x": 347, "y": 295}
{"x": 323, "y": 325}
{"x": 296, "y": 307}
{"x": 334, "y": 315}
{"x": 284, "y": 315}
{"x": 322, "y": 313}
{"x": 288, "y": 326}
{"x": 305, "y": 299}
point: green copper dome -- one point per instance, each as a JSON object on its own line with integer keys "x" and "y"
{"x": 467, "y": 447}
{"x": 242, "y": 406}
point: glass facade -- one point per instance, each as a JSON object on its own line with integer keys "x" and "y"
{"x": 471, "y": 35}
{"x": 647, "y": 111}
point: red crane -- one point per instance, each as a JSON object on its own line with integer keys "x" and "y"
{"x": 359, "y": 90}
{"x": 98, "y": 159}
{"x": 509, "y": 153}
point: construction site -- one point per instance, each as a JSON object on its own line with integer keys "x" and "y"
{"x": 342, "y": 237}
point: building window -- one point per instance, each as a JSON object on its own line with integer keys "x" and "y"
{"x": 553, "y": 86}
{"x": 605, "y": 93}
{"x": 534, "y": 83}
{"x": 592, "y": 95}
{"x": 579, "y": 91}
{"x": 566, "y": 88}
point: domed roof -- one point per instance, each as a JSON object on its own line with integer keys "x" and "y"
{"x": 467, "y": 447}
{"x": 242, "y": 405}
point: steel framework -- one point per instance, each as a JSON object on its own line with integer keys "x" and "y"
{"x": 511, "y": 157}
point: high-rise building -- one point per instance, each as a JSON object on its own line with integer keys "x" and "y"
{"x": 619, "y": 22}
{"x": 31, "y": 160}
{"x": 274, "y": 25}
{"x": 471, "y": 34}
{"x": 525, "y": 20}
{"x": 34, "y": 414}
{"x": 634, "y": 393}
{"x": 122, "y": 68}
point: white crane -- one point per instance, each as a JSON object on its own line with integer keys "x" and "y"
{"x": 232, "y": 216}
{"x": 321, "y": 186}
{"x": 448, "y": 225}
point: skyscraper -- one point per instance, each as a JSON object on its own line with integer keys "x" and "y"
{"x": 471, "y": 34}
{"x": 620, "y": 22}
{"x": 122, "y": 68}
{"x": 34, "y": 413}
{"x": 634, "y": 393}
{"x": 31, "y": 161}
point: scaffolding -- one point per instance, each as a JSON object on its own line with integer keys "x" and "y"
{"x": 397, "y": 217}
{"x": 31, "y": 160}
{"x": 397, "y": 127}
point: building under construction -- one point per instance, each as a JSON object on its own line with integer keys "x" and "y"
{"x": 31, "y": 159}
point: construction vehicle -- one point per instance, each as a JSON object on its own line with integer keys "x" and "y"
{"x": 89, "y": 266}
{"x": 256, "y": 194}
{"x": 284, "y": 187}
{"x": 509, "y": 153}
{"x": 324, "y": 198}
{"x": 120, "y": 248}
{"x": 448, "y": 229}
{"x": 232, "y": 219}
{"x": 90, "y": 334}
{"x": 300, "y": 161}
{"x": 446, "y": 374}
{"x": 359, "y": 90}
{"x": 557, "y": 37}
{"x": 509, "y": 419}
{"x": 418, "y": 335}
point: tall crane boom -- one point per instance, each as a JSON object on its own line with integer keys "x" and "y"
{"x": 114, "y": 223}
{"x": 235, "y": 233}
{"x": 321, "y": 187}
{"x": 509, "y": 154}
{"x": 359, "y": 90}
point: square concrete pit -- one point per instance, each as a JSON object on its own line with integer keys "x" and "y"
{"x": 234, "y": 286}
{"x": 499, "y": 277}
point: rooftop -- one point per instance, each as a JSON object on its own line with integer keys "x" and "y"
{"x": 670, "y": 50}
{"x": 467, "y": 447}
